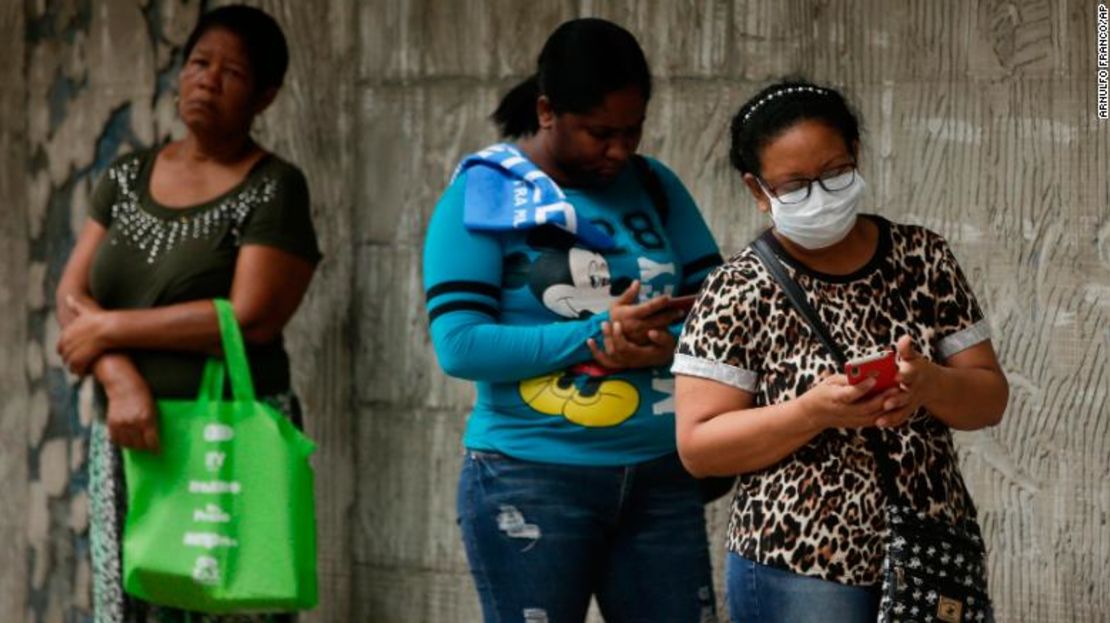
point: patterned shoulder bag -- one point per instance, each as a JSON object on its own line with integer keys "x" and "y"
{"x": 933, "y": 571}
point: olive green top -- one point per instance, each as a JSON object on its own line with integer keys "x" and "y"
{"x": 155, "y": 255}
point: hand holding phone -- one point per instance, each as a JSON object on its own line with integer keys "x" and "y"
{"x": 881, "y": 366}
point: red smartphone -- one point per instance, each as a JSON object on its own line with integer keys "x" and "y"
{"x": 881, "y": 366}
{"x": 684, "y": 303}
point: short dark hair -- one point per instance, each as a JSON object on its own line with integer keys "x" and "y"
{"x": 260, "y": 34}
{"x": 779, "y": 107}
{"x": 582, "y": 61}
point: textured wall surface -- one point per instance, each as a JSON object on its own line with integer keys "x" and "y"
{"x": 980, "y": 124}
{"x": 14, "y": 295}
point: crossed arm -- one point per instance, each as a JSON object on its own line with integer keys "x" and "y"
{"x": 267, "y": 287}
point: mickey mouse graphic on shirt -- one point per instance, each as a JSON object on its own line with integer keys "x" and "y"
{"x": 576, "y": 283}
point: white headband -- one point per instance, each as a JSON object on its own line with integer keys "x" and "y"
{"x": 783, "y": 91}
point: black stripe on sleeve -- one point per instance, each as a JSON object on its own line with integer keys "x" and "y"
{"x": 488, "y": 310}
{"x": 706, "y": 261}
{"x": 473, "y": 287}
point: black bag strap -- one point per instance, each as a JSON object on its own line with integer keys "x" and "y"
{"x": 884, "y": 466}
{"x": 654, "y": 187}
{"x": 797, "y": 299}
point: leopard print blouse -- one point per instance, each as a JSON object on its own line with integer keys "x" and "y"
{"x": 819, "y": 512}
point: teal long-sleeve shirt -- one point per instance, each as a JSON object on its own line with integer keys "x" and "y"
{"x": 512, "y": 311}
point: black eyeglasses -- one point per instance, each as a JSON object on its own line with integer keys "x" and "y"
{"x": 798, "y": 190}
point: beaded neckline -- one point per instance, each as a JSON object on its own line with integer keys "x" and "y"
{"x": 141, "y": 222}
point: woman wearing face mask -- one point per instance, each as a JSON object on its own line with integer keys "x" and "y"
{"x": 758, "y": 395}
{"x": 537, "y": 251}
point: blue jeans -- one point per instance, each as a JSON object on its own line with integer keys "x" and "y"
{"x": 543, "y": 538}
{"x": 761, "y": 594}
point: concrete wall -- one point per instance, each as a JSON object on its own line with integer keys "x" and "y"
{"x": 981, "y": 124}
{"x": 14, "y": 299}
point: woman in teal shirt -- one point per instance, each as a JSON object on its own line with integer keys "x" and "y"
{"x": 549, "y": 268}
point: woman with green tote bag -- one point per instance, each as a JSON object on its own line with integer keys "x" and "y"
{"x": 212, "y": 215}
{"x": 217, "y": 518}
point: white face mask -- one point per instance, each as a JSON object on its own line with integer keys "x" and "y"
{"x": 822, "y": 220}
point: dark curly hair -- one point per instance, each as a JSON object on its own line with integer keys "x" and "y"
{"x": 779, "y": 107}
{"x": 582, "y": 61}
{"x": 260, "y": 34}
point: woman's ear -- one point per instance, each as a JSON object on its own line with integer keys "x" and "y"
{"x": 761, "y": 200}
{"x": 545, "y": 113}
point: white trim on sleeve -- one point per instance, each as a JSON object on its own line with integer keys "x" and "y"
{"x": 963, "y": 340}
{"x": 715, "y": 371}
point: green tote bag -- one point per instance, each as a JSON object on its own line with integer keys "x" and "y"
{"x": 222, "y": 519}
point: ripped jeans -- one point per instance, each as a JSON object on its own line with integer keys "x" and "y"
{"x": 542, "y": 539}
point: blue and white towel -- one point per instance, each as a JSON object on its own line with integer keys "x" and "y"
{"x": 507, "y": 191}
